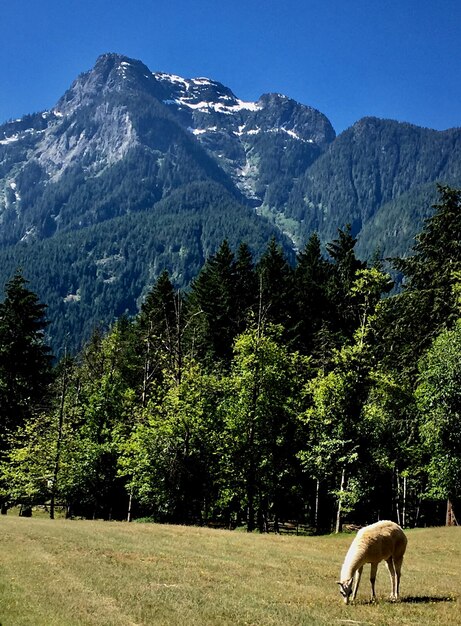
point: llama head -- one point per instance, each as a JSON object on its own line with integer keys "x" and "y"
{"x": 345, "y": 589}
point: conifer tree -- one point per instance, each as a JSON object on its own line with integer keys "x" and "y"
{"x": 214, "y": 295}
{"x": 276, "y": 287}
{"x": 160, "y": 327}
{"x": 436, "y": 260}
{"x": 25, "y": 359}
{"x": 312, "y": 306}
{"x": 246, "y": 286}
{"x": 427, "y": 304}
{"x": 344, "y": 269}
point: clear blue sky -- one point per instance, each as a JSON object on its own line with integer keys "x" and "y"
{"x": 398, "y": 59}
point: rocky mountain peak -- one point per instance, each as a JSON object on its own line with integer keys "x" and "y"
{"x": 112, "y": 73}
{"x": 302, "y": 121}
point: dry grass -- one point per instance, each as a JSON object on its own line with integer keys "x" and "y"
{"x": 101, "y": 573}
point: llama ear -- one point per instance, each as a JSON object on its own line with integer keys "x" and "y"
{"x": 338, "y": 582}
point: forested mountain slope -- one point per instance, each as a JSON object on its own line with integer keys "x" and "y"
{"x": 91, "y": 276}
{"x": 375, "y": 169}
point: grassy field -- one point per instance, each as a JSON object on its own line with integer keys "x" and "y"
{"x": 107, "y": 573}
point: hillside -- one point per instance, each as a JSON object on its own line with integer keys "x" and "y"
{"x": 379, "y": 176}
{"x": 91, "y": 276}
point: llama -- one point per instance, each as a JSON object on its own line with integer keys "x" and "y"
{"x": 383, "y": 541}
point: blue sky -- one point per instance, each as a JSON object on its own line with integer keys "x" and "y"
{"x": 347, "y": 58}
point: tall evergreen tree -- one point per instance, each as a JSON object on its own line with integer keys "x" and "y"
{"x": 437, "y": 251}
{"x": 312, "y": 305}
{"x": 276, "y": 287}
{"x": 25, "y": 359}
{"x": 344, "y": 269}
{"x": 160, "y": 325}
{"x": 410, "y": 321}
{"x": 158, "y": 309}
{"x": 214, "y": 295}
{"x": 246, "y": 286}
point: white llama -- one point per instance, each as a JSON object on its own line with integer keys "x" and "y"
{"x": 383, "y": 541}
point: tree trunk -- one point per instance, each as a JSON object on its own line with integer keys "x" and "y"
{"x": 397, "y": 496}
{"x": 450, "y": 519}
{"x": 130, "y": 502}
{"x": 404, "y": 502}
{"x": 341, "y": 490}
{"x": 316, "y": 513}
{"x": 59, "y": 441}
{"x": 146, "y": 373}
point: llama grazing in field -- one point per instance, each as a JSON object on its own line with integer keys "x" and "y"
{"x": 383, "y": 541}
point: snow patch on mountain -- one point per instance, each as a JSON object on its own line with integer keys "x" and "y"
{"x": 201, "y": 131}
{"x": 12, "y": 139}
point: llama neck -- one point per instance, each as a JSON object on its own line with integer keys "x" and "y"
{"x": 351, "y": 564}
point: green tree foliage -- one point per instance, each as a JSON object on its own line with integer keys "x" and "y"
{"x": 160, "y": 330}
{"x": 276, "y": 286}
{"x": 439, "y": 400}
{"x": 201, "y": 410}
{"x": 345, "y": 265}
{"x": 170, "y": 459}
{"x": 312, "y": 304}
{"x": 412, "y": 319}
{"x": 261, "y": 430}
{"x": 214, "y": 295}
{"x": 246, "y": 287}
{"x": 102, "y": 403}
{"x": 342, "y": 442}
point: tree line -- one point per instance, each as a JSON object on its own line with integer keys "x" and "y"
{"x": 265, "y": 393}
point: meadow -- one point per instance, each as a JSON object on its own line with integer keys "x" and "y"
{"x": 70, "y": 573}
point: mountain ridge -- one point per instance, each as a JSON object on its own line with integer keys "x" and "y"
{"x": 123, "y": 140}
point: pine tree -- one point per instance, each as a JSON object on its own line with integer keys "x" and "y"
{"x": 410, "y": 321}
{"x": 246, "y": 286}
{"x": 25, "y": 359}
{"x": 344, "y": 269}
{"x": 214, "y": 295}
{"x": 312, "y": 306}
{"x": 276, "y": 287}
{"x": 160, "y": 325}
{"x": 436, "y": 260}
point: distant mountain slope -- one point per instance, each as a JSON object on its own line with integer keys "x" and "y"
{"x": 91, "y": 276}
{"x": 133, "y": 171}
{"x": 370, "y": 167}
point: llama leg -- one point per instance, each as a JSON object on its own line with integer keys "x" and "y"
{"x": 374, "y": 569}
{"x": 394, "y": 587}
{"x": 358, "y": 575}
{"x": 398, "y": 569}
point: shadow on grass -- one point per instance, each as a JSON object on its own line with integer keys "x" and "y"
{"x": 408, "y": 600}
{"x": 427, "y": 599}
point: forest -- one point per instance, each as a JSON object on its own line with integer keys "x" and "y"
{"x": 266, "y": 393}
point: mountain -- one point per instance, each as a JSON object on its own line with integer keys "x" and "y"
{"x": 122, "y": 138}
{"x": 379, "y": 176}
{"x": 134, "y": 171}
